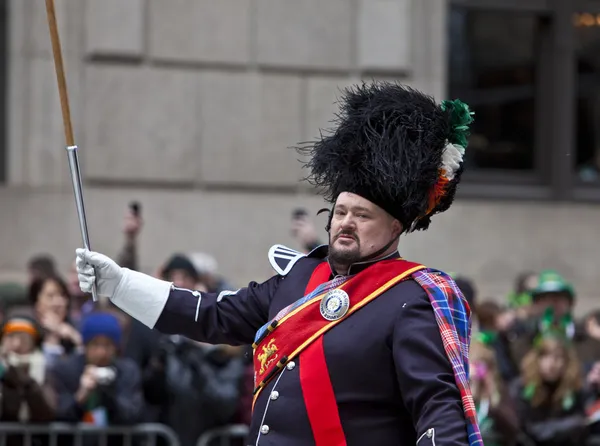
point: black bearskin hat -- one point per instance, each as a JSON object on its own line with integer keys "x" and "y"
{"x": 396, "y": 147}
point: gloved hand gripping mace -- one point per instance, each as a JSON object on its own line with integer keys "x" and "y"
{"x": 66, "y": 114}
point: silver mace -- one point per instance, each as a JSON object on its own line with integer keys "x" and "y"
{"x": 66, "y": 114}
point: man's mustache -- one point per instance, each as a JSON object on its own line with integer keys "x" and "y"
{"x": 349, "y": 234}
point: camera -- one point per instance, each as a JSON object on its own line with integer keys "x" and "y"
{"x": 105, "y": 375}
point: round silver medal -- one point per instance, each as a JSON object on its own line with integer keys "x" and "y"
{"x": 334, "y": 305}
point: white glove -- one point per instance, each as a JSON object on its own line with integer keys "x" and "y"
{"x": 141, "y": 296}
{"x": 95, "y": 267}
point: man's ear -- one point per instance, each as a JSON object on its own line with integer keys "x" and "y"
{"x": 396, "y": 228}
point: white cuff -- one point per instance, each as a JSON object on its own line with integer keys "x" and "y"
{"x": 141, "y": 296}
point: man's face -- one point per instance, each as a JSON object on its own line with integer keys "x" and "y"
{"x": 358, "y": 229}
{"x": 100, "y": 351}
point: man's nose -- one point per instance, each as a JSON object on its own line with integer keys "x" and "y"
{"x": 348, "y": 222}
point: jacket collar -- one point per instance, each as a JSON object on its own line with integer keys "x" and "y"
{"x": 322, "y": 252}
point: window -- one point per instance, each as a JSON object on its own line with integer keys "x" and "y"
{"x": 530, "y": 69}
{"x": 587, "y": 129}
{"x": 493, "y": 65}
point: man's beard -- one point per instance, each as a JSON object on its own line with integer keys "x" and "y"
{"x": 344, "y": 257}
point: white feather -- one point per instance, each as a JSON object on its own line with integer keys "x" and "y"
{"x": 452, "y": 158}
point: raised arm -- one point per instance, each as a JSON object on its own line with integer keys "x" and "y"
{"x": 228, "y": 318}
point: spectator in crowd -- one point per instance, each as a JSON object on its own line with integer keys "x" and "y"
{"x": 549, "y": 394}
{"x": 25, "y": 395}
{"x": 181, "y": 271}
{"x": 493, "y": 322}
{"x": 304, "y": 231}
{"x": 49, "y": 297}
{"x": 520, "y": 297}
{"x": 551, "y": 293}
{"x": 191, "y": 377}
{"x": 467, "y": 287}
{"x": 142, "y": 343}
{"x": 593, "y": 402}
{"x": 244, "y": 410}
{"x": 208, "y": 273}
{"x": 12, "y": 295}
{"x": 132, "y": 228}
{"x": 15, "y": 293}
{"x": 41, "y": 266}
{"x": 496, "y": 413}
{"x": 97, "y": 386}
{"x": 588, "y": 347}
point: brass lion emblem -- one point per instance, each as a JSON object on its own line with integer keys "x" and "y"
{"x": 266, "y": 357}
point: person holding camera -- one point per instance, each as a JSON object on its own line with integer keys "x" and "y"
{"x": 97, "y": 386}
{"x": 25, "y": 395}
{"x": 187, "y": 377}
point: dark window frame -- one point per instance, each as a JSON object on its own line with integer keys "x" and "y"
{"x": 554, "y": 177}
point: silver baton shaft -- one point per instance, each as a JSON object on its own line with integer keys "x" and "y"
{"x": 78, "y": 191}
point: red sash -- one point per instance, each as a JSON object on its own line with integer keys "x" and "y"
{"x": 302, "y": 326}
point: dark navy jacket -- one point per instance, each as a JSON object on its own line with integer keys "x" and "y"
{"x": 393, "y": 383}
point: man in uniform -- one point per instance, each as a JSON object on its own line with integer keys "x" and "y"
{"x": 353, "y": 345}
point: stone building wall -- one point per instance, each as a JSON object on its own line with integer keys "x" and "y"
{"x": 189, "y": 106}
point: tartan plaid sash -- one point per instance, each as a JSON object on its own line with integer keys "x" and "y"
{"x": 452, "y": 315}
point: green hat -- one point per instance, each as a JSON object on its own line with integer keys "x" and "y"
{"x": 550, "y": 281}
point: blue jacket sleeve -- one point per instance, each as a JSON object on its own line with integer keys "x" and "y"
{"x": 425, "y": 376}
{"x": 225, "y": 318}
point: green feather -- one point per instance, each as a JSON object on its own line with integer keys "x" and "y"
{"x": 460, "y": 119}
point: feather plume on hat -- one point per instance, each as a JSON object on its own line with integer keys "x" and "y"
{"x": 394, "y": 146}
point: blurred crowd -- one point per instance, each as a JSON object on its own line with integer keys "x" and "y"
{"x": 65, "y": 358}
{"x": 535, "y": 369}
